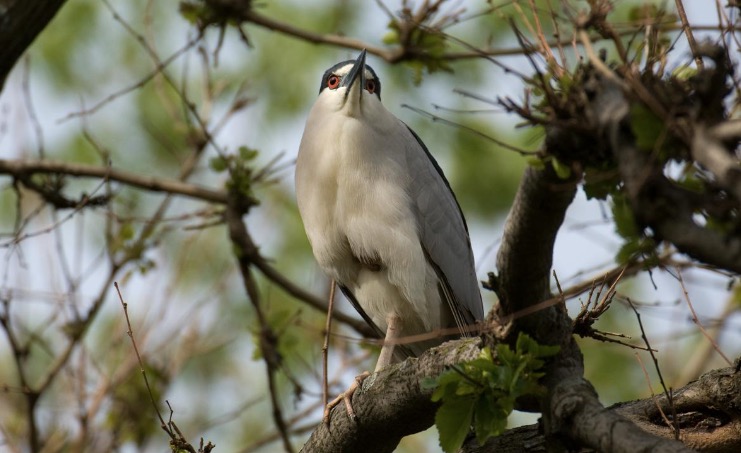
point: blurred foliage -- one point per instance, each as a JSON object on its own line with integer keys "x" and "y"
{"x": 484, "y": 174}
{"x": 130, "y": 400}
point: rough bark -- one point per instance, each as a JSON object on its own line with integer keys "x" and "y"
{"x": 572, "y": 413}
{"x": 21, "y": 21}
{"x": 391, "y": 404}
{"x": 526, "y": 253}
{"x": 708, "y": 411}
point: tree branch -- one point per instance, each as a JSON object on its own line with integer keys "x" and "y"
{"x": 526, "y": 253}
{"x": 571, "y": 411}
{"x": 707, "y": 413}
{"x": 151, "y": 183}
{"x": 22, "y": 21}
{"x": 391, "y": 404}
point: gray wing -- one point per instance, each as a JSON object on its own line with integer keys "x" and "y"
{"x": 444, "y": 236}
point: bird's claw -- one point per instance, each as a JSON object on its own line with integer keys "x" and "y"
{"x": 345, "y": 397}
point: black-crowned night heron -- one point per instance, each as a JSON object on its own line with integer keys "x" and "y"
{"x": 381, "y": 218}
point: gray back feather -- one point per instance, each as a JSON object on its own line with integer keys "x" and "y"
{"x": 444, "y": 236}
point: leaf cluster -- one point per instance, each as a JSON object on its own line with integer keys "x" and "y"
{"x": 482, "y": 393}
{"x": 240, "y": 170}
{"x": 664, "y": 107}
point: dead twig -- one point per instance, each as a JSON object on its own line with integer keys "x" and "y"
{"x": 325, "y": 346}
{"x": 176, "y": 436}
{"x": 697, "y": 322}
{"x": 667, "y": 392}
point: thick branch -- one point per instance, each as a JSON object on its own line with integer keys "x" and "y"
{"x": 707, "y": 411}
{"x": 526, "y": 254}
{"x": 22, "y": 21}
{"x": 708, "y": 150}
{"x": 391, "y": 404}
{"x": 571, "y": 410}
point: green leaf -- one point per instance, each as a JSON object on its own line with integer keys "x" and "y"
{"x": 646, "y": 126}
{"x": 489, "y": 419}
{"x": 390, "y": 38}
{"x": 562, "y": 171}
{"x": 453, "y": 420}
{"x": 218, "y": 164}
{"x": 684, "y": 73}
{"x": 736, "y": 295}
{"x": 483, "y": 391}
{"x": 635, "y": 248}
{"x": 600, "y": 183}
{"x": 535, "y": 162}
{"x": 246, "y": 153}
{"x": 622, "y": 213}
{"x": 191, "y": 12}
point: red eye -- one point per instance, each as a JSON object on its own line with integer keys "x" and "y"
{"x": 333, "y": 82}
{"x": 370, "y": 85}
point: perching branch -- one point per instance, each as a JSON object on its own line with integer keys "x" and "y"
{"x": 391, "y": 404}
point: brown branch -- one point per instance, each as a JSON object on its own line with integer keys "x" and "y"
{"x": 154, "y": 184}
{"x": 526, "y": 252}
{"x": 250, "y": 251}
{"x": 571, "y": 407}
{"x": 130, "y": 333}
{"x": 391, "y": 404}
{"x": 687, "y": 29}
{"x": 268, "y": 340}
{"x": 708, "y": 150}
{"x": 696, "y": 320}
{"x": 706, "y": 409}
{"x": 667, "y": 392}
{"x": 243, "y": 11}
{"x": 28, "y": 167}
{"x": 20, "y": 353}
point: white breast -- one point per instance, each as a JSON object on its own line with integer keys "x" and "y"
{"x": 351, "y": 190}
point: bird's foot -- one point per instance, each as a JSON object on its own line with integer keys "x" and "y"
{"x": 345, "y": 397}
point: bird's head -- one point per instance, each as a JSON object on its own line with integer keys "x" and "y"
{"x": 348, "y": 85}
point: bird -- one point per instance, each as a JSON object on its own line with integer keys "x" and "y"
{"x": 381, "y": 218}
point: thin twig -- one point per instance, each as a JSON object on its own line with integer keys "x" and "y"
{"x": 139, "y": 84}
{"x": 667, "y": 392}
{"x": 325, "y": 346}
{"x": 696, "y": 320}
{"x": 688, "y": 33}
{"x": 653, "y": 396}
{"x": 130, "y": 333}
